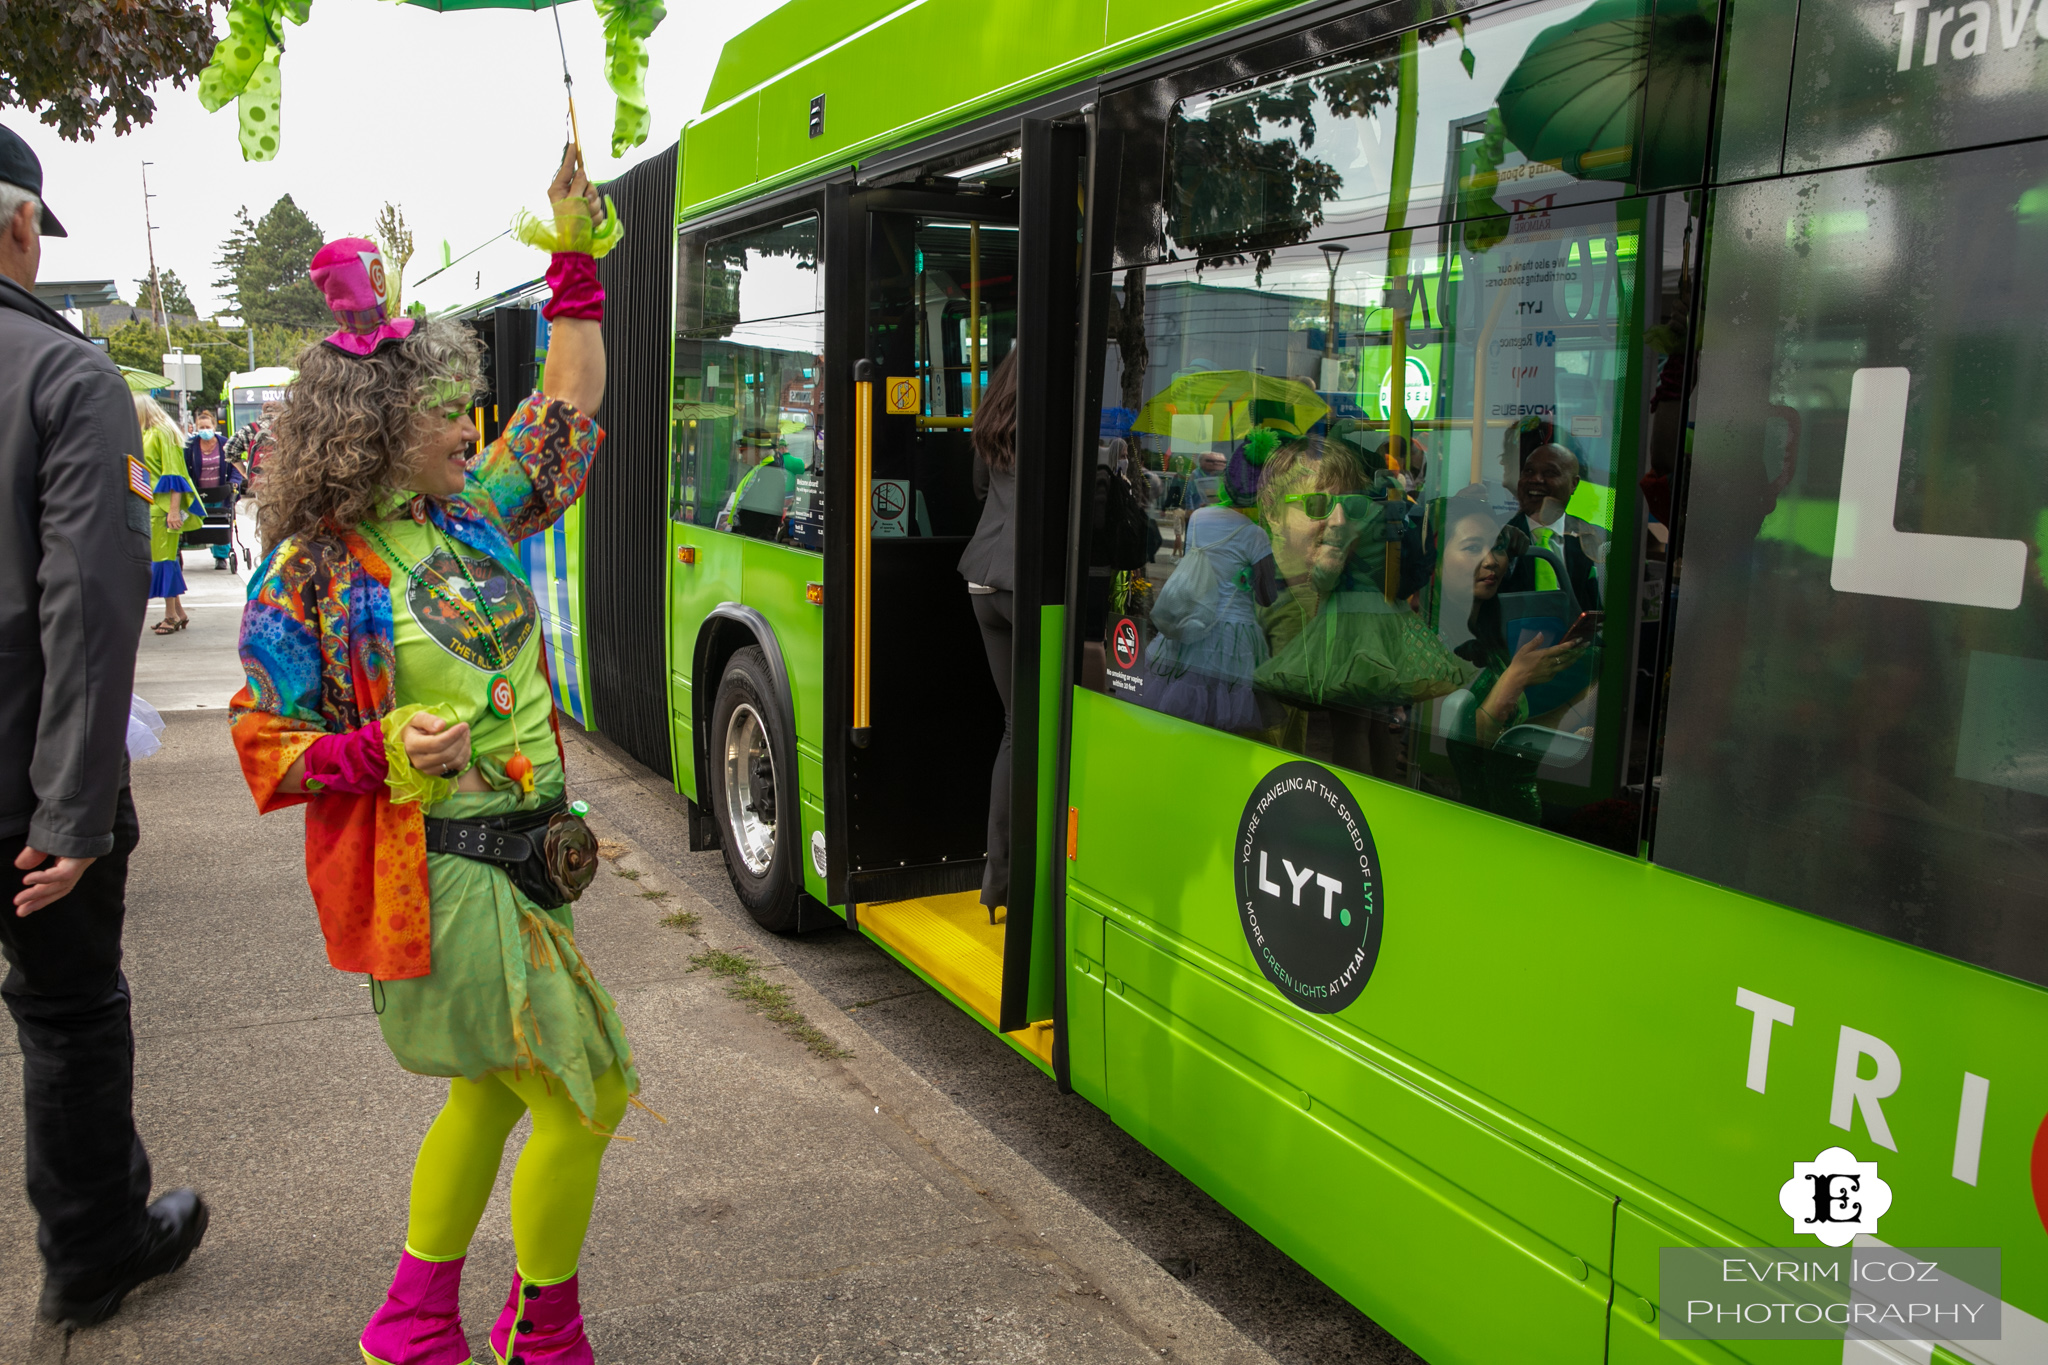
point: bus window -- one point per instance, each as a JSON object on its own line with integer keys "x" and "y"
{"x": 1336, "y": 135}
{"x": 748, "y": 402}
{"x": 1861, "y": 639}
{"x": 942, "y": 308}
{"x": 1342, "y": 561}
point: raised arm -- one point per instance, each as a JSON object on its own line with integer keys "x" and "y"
{"x": 575, "y": 368}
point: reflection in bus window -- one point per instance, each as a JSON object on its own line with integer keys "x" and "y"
{"x": 1379, "y": 480}
{"x": 748, "y": 401}
{"x": 1533, "y": 106}
{"x": 1861, "y": 653}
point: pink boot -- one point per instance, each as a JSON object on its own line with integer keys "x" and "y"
{"x": 541, "y": 1325}
{"x": 420, "y": 1322}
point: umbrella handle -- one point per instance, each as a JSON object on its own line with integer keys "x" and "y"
{"x": 574, "y": 137}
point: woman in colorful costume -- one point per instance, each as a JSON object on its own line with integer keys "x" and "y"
{"x": 395, "y": 689}
{"x": 173, "y": 502}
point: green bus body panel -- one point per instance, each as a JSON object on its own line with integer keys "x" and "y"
{"x": 1052, "y": 821}
{"x": 771, "y": 580}
{"x": 1365, "y": 1217}
{"x": 761, "y": 51}
{"x": 1609, "y": 1047}
{"x": 1546, "y": 1078}
{"x": 970, "y": 59}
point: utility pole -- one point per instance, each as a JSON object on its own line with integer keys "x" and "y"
{"x": 158, "y": 313}
{"x": 156, "y": 289}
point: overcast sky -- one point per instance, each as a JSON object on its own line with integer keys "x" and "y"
{"x": 457, "y": 118}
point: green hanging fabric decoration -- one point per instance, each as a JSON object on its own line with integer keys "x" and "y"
{"x": 571, "y": 230}
{"x": 257, "y": 109}
{"x": 245, "y": 69}
{"x": 627, "y": 26}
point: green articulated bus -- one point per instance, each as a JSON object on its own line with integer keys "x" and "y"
{"x": 1530, "y": 684}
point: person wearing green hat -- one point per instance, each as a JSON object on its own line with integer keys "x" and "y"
{"x": 760, "y": 500}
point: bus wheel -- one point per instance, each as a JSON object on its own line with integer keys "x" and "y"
{"x": 753, "y": 799}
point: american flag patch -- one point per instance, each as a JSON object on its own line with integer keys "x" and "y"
{"x": 138, "y": 478}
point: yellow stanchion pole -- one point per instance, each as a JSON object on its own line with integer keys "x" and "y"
{"x": 863, "y": 546}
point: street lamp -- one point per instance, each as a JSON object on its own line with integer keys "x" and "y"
{"x": 1333, "y": 255}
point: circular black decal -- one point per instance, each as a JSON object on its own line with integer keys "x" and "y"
{"x": 1308, "y": 887}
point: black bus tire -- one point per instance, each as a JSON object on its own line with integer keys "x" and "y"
{"x": 750, "y": 754}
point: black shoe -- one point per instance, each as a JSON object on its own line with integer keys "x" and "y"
{"x": 176, "y": 1224}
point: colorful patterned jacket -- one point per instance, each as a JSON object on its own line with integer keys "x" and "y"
{"x": 317, "y": 647}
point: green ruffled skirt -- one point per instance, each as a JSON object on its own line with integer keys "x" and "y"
{"x": 509, "y": 990}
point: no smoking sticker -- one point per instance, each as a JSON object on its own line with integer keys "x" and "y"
{"x": 1123, "y": 642}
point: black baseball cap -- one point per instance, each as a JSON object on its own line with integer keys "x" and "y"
{"x": 18, "y": 166}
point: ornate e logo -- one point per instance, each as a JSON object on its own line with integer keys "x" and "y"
{"x": 1835, "y": 1197}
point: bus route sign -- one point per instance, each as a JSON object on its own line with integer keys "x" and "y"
{"x": 1308, "y": 887}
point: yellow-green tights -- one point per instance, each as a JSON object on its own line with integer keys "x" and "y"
{"x": 553, "y": 1186}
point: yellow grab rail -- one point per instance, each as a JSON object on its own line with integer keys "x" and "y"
{"x": 863, "y": 542}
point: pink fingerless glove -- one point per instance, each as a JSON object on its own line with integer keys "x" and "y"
{"x": 572, "y": 280}
{"x": 353, "y": 762}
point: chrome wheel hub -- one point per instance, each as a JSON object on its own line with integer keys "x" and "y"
{"x": 750, "y": 790}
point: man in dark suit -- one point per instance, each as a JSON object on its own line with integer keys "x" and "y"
{"x": 74, "y": 573}
{"x": 1548, "y": 477}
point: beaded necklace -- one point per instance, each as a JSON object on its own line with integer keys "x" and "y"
{"x": 501, "y": 697}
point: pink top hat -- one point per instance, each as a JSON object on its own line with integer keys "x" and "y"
{"x": 349, "y": 272}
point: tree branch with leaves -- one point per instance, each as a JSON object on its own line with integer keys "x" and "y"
{"x": 87, "y": 62}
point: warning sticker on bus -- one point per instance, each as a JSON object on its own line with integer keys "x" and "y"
{"x": 1308, "y": 887}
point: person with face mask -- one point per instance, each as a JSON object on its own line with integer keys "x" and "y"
{"x": 213, "y": 474}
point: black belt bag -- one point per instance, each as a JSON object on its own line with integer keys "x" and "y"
{"x": 549, "y": 854}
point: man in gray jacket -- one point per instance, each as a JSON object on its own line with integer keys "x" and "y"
{"x": 74, "y": 583}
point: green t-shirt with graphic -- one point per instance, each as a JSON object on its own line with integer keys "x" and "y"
{"x": 445, "y": 651}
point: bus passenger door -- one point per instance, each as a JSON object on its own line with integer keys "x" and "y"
{"x": 929, "y": 307}
{"x": 943, "y": 286}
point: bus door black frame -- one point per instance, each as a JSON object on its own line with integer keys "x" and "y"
{"x": 899, "y": 760}
{"x": 1049, "y": 451}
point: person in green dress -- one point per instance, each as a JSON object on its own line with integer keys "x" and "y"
{"x": 173, "y": 503}
{"x": 392, "y": 647}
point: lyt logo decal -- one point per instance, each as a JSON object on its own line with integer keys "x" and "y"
{"x": 1298, "y": 879}
{"x": 1835, "y": 1197}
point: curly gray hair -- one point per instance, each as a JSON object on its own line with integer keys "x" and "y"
{"x": 349, "y": 430}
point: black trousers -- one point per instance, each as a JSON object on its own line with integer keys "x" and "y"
{"x": 993, "y": 612}
{"x": 88, "y": 1176}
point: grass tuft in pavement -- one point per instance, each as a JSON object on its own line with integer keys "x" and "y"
{"x": 764, "y": 997}
{"x": 631, "y": 874}
{"x": 682, "y": 919}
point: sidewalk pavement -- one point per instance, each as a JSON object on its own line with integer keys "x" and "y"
{"x": 196, "y": 668}
{"x": 796, "y": 1207}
